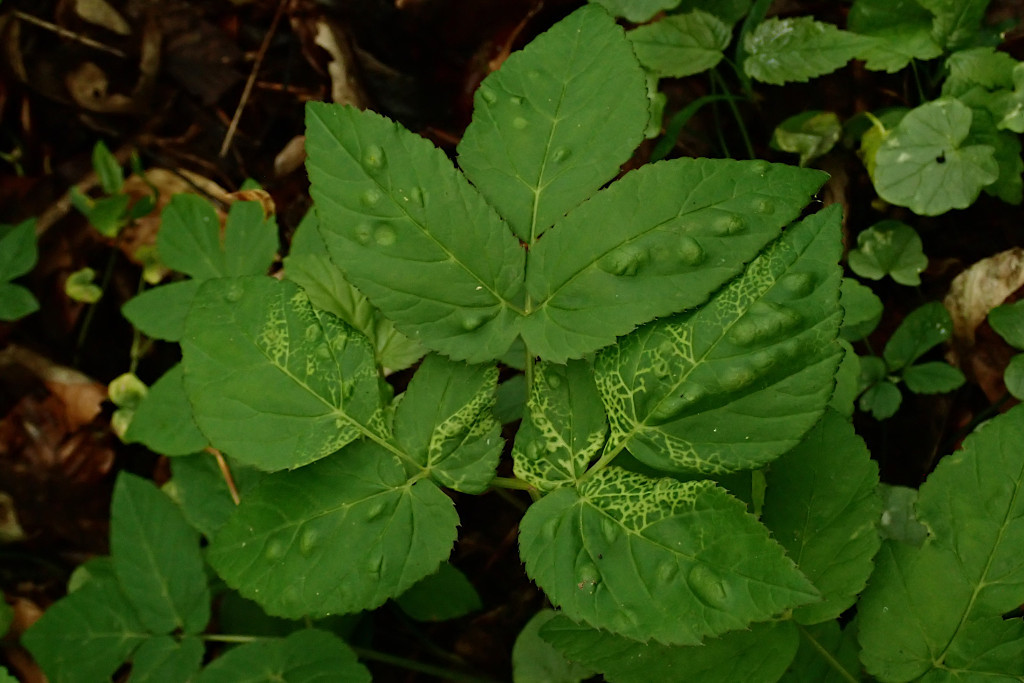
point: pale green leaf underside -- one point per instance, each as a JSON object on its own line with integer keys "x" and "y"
{"x": 163, "y": 422}
{"x": 555, "y": 122}
{"x": 85, "y": 636}
{"x": 798, "y": 49}
{"x": 274, "y": 382}
{"x": 445, "y": 424}
{"x": 412, "y": 234}
{"x": 923, "y": 163}
{"x": 657, "y": 559}
{"x": 564, "y": 426}
{"x": 681, "y": 44}
{"x": 738, "y": 382}
{"x": 307, "y": 656}
{"x": 156, "y": 558}
{"x": 759, "y": 654}
{"x": 938, "y": 609}
{"x": 656, "y": 242}
{"x": 164, "y": 659}
{"x": 341, "y": 535}
{"x": 822, "y": 507}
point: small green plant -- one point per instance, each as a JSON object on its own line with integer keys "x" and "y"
{"x": 701, "y": 506}
{"x": 18, "y": 255}
{"x": 1008, "y": 321}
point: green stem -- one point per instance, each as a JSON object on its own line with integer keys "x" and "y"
{"x": 234, "y": 638}
{"x": 827, "y": 656}
{"x": 510, "y": 483}
{"x": 731, "y": 101}
{"x": 718, "y": 128}
{"x": 412, "y": 665}
{"x": 90, "y": 311}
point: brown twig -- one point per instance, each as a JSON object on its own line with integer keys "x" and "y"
{"x": 71, "y": 35}
{"x": 252, "y": 78}
{"x": 226, "y": 472}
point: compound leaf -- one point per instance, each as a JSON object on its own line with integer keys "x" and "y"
{"x": 341, "y": 535}
{"x": 445, "y": 423}
{"x": 87, "y": 635}
{"x": 925, "y": 165}
{"x": 412, "y": 234}
{"x": 163, "y": 659}
{"x": 157, "y": 559}
{"x": 602, "y": 551}
{"x": 924, "y": 328}
{"x": 306, "y": 656}
{"x": 798, "y": 49}
{"x": 939, "y": 608}
{"x": 636, "y": 250}
{"x": 822, "y": 507}
{"x": 681, "y": 44}
{"x": 882, "y": 400}
{"x": 273, "y": 381}
{"x": 555, "y": 122}
{"x": 759, "y": 654}
{"x": 160, "y": 312}
{"x": 250, "y": 240}
{"x": 163, "y": 422}
{"x": 564, "y": 426}
{"x": 739, "y": 381}
{"x": 889, "y": 248}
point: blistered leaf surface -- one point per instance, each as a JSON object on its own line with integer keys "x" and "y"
{"x": 273, "y": 381}
{"x": 341, "y": 535}
{"x": 603, "y": 551}
{"x": 739, "y": 381}
{"x": 555, "y": 122}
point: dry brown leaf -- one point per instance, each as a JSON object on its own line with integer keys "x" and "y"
{"x": 100, "y": 13}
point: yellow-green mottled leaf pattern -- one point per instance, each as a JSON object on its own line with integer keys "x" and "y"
{"x": 564, "y": 426}
{"x": 341, "y": 535}
{"x": 273, "y": 381}
{"x": 657, "y": 558}
{"x": 445, "y": 423}
{"x": 737, "y": 382}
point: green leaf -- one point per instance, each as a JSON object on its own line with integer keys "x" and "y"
{"x": 656, "y": 252}
{"x": 18, "y": 251}
{"x": 600, "y": 552}
{"x": 81, "y": 286}
{"x": 681, "y": 44}
{"x": 273, "y": 381}
{"x": 899, "y": 519}
{"x": 937, "y": 609}
{"x": 822, "y": 507}
{"x": 198, "y": 486}
{"x": 163, "y": 422}
{"x": 107, "y": 214}
{"x": 729, "y": 11}
{"x": 87, "y": 635}
{"x": 933, "y": 378}
{"x": 847, "y": 376}
{"x": 889, "y": 248}
{"x": 6, "y": 618}
{"x": 798, "y": 49}
{"x": 636, "y": 11}
{"x": 564, "y": 426}
{"x": 739, "y": 381}
{"x": 863, "y": 310}
{"x": 6, "y": 677}
{"x": 902, "y": 32}
{"x": 1013, "y": 376}
{"x": 810, "y": 134}
{"x": 341, "y": 535}
{"x": 108, "y": 168}
{"x": 923, "y": 328}
{"x": 445, "y": 424}
{"x": 882, "y": 400}
{"x": 160, "y": 312}
{"x": 448, "y": 594}
{"x": 555, "y": 122}
{"x": 924, "y": 163}
{"x": 759, "y": 654}
{"x": 307, "y": 656}
{"x": 16, "y": 302}
{"x": 1008, "y": 322}
{"x": 510, "y": 400}
{"x": 826, "y": 655}
{"x": 978, "y": 66}
{"x": 1009, "y": 186}
{"x": 534, "y": 660}
{"x": 189, "y": 240}
{"x": 164, "y": 659}
{"x": 157, "y": 559}
{"x": 308, "y": 265}
{"x": 956, "y": 22}
{"x": 412, "y": 234}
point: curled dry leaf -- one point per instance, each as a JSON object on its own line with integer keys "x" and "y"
{"x": 978, "y": 351}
